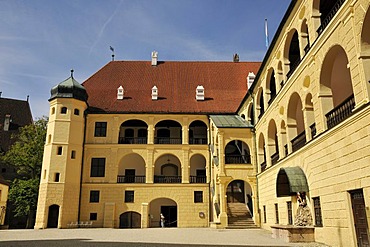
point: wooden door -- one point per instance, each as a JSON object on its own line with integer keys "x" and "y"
{"x": 359, "y": 216}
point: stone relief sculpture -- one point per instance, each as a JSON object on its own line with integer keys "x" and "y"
{"x": 303, "y": 216}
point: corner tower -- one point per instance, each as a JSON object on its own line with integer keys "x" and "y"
{"x": 60, "y": 180}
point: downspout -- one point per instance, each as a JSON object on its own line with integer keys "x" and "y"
{"x": 82, "y": 168}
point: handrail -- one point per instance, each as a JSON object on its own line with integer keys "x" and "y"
{"x": 341, "y": 112}
{"x": 130, "y": 179}
{"x": 167, "y": 140}
{"x": 167, "y": 179}
{"x": 237, "y": 159}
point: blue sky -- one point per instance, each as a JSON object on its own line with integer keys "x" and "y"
{"x": 41, "y": 40}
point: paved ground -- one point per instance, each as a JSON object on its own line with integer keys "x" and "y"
{"x": 152, "y": 237}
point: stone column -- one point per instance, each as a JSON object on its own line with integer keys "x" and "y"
{"x": 144, "y": 215}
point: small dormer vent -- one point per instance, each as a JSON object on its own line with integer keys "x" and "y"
{"x": 154, "y": 58}
{"x": 120, "y": 92}
{"x": 200, "y": 92}
{"x": 250, "y": 79}
{"x": 154, "y": 93}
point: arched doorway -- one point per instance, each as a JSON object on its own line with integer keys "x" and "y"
{"x": 165, "y": 206}
{"x": 235, "y": 191}
{"x": 53, "y": 216}
{"x": 130, "y": 220}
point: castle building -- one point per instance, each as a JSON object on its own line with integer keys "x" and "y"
{"x": 223, "y": 144}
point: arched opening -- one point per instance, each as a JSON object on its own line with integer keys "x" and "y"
{"x": 242, "y": 116}
{"x": 198, "y": 169}
{"x": 130, "y": 220}
{"x": 260, "y": 103}
{"x": 283, "y": 138}
{"x": 280, "y": 76}
{"x": 133, "y": 132}
{"x": 273, "y": 143}
{"x": 131, "y": 169}
{"x": 239, "y": 201}
{"x": 165, "y": 206}
{"x": 237, "y": 152}
{"x": 305, "y": 39}
{"x": 198, "y": 133}
{"x": 365, "y": 49}
{"x": 310, "y": 117}
{"x": 271, "y": 85}
{"x": 262, "y": 153}
{"x": 167, "y": 169}
{"x": 292, "y": 52}
{"x": 53, "y": 216}
{"x": 250, "y": 113}
{"x": 296, "y": 130}
{"x": 336, "y": 93}
{"x": 168, "y": 132}
{"x": 327, "y": 10}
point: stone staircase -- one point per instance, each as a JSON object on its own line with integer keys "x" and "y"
{"x": 239, "y": 217}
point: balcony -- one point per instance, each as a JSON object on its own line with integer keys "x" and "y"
{"x": 341, "y": 112}
{"x": 198, "y": 141}
{"x": 198, "y": 179}
{"x": 131, "y": 179}
{"x": 132, "y": 140}
{"x": 330, "y": 15}
{"x": 167, "y": 179}
{"x": 274, "y": 158}
{"x": 167, "y": 140}
{"x": 237, "y": 159}
{"x": 299, "y": 141}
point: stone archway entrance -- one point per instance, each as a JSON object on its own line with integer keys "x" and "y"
{"x": 165, "y": 206}
{"x": 130, "y": 220}
{"x": 235, "y": 192}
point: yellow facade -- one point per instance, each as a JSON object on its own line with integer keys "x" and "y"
{"x": 307, "y": 109}
{"x": 313, "y": 96}
{"x": 4, "y": 189}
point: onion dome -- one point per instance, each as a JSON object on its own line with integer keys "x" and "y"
{"x": 69, "y": 88}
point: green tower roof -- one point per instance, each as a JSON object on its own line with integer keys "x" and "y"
{"x": 69, "y": 88}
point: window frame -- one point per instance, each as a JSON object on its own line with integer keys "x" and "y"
{"x": 97, "y": 168}
{"x": 198, "y": 197}
{"x": 100, "y": 129}
{"x": 317, "y": 211}
{"x": 290, "y": 212}
{"x": 94, "y": 196}
{"x": 129, "y": 196}
{"x": 93, "y": 216}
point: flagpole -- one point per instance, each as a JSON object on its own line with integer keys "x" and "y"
{"x": 267, "y": 34}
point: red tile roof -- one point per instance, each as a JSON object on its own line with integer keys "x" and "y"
{"x": 225, "y": 85}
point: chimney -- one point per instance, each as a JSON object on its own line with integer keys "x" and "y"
{"x": 120, "y": 92}
{"x": 199, "y": 93}
{"x": 250, "y": 79}
{"x": 154, "y": 58}
{"x": 236, "y": 58}
{"x": 154, "y": 93}
{"x": 7, "y": 122}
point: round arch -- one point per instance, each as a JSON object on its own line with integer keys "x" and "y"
{"x": 198, "y": 133}
{"x": 261, "y": 152}
{"x": 131, "y": 169}
{"x": 130, "y": 219}
{"x": 240, "y": 191}
{"x": 133, "y": 131}
{"x": 165, "y": 206}
{"x": 273, "y": 144}
{"x": 271, "y": 84}
{"x": 237, "y": 152}
{"x": 295, "y": 122}
{"x": 168, "y": 132}
{"x": 198, "y": 169}
{"x": 167, "y": 169}
{"x": 291, "y": 52}
{"x": 53, "y": 216}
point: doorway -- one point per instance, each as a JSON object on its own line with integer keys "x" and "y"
{"x": 130, "y": 220}
{"x": 53, "y": 216}
{"x": 359, "y": 217}
{"x": 235, "y": 192}
{"x": 170, "y": 215}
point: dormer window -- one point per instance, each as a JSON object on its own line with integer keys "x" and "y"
{"x": 120, "y": 92}
{"x": 200, "y": 92}
{"x": 154, "y": 93}
{"x": 250, "y": 79}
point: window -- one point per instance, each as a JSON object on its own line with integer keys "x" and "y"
{"x": 100, "y": 129}
{"x": 52, "y": 110}
{"x": 94, "y": 195}
{"x": 60, "y": 150}
{"x": 276, "y": 213}
{"x": 317, "y": 209}
{"x": 290, "y": 214}
{"x": 198, "y": 196}
{"x": 49, "y": 138}
{"x": 63, "y": 110}
{"x": 129, "y": 196}
{"x": 57, "y": 177}
{"x": 77, "y": 112}
{"x": 93, "y": 216}
{"x": 73, "y": 154}
{"x": 264, "y": 214}
{"x": 45, "y": 174}
{"x": 97, "y": 167}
